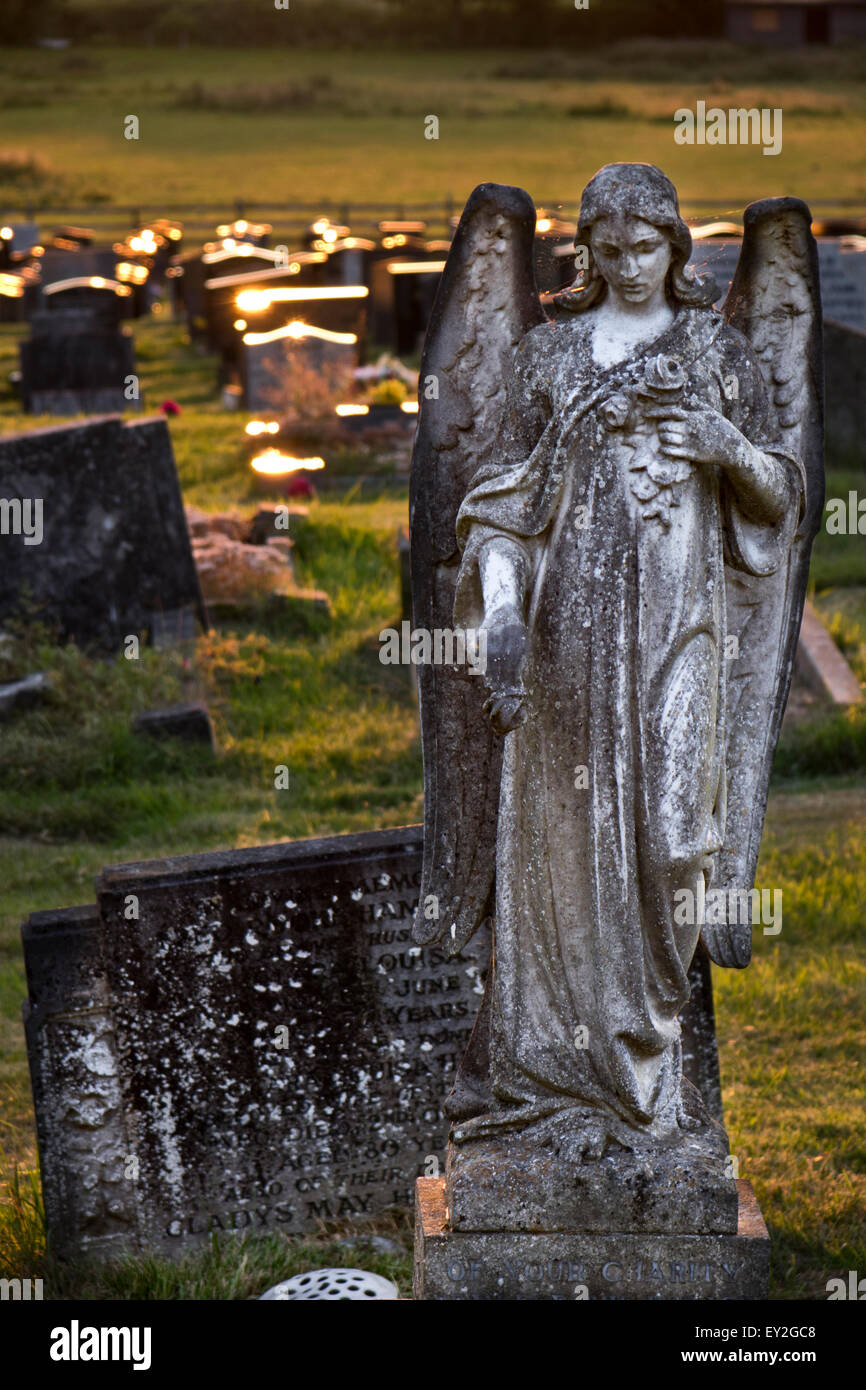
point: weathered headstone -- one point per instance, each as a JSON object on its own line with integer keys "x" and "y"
{"x": 23, "y": 694}
{"x": 13, "y": 294}
{"x": 249, "y": 1042}
{"x": 843, "y": 281}
{"x": 86, "y": 1161}
{"x": 94, "y": 535}
{"x": 16, "y": 239}
{"x": 95, "y": 301}
{"x": 68, "y": 262}
{"x": 190, "y": 723}
{"x": 349, "y": 261}
{"x": 406, "y": 246}
{"x": 402, "y": 290}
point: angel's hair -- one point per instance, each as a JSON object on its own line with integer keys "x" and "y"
{"x": 636, "y": 190}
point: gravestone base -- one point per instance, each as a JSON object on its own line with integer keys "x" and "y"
{"x": 613, "y": 1266}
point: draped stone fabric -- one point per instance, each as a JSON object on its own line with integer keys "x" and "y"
{"x": 613, "y": 791}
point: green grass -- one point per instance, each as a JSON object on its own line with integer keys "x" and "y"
{"x": 839, "y": 560}
{"x": 792, "y": 1039}
{"x": 284, "y": 125}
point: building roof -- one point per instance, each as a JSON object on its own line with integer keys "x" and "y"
{"x": 800, "y": 4}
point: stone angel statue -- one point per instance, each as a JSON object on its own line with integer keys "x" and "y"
{"x": 620, "y": 491}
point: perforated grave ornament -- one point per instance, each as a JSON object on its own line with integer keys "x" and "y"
{"x": 621, "y": 488}
{"x": 356, "y": 1285}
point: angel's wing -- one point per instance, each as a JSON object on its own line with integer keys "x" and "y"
{"x": 486, "y": 302}
{"x": 775, "y": 301}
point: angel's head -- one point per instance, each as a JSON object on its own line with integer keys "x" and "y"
{"x": 635, "y": 239}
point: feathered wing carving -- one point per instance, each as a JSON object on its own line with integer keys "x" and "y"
{"x": 775, "y": 301}
{"x": 486, "y": 302}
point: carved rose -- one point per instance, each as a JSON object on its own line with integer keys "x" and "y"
{"x": 664, "y": 373}
{"x": 665, "y": 471}
{"x": 615, "y": 411}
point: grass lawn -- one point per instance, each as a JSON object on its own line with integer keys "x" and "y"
{"x": 305, "y": 125}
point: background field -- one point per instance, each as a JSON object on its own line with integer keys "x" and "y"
{"x": 307, "y": 125}
{"x": 80, "y": 792}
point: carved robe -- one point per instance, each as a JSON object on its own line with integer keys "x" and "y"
{"x": 613, "y": 791}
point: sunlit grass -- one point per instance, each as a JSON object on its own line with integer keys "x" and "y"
{"x": 219, "y": 125}
{"x": 792, "y": 1042}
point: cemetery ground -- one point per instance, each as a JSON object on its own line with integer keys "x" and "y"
{"x": 301, "y": 125}
{"x": 80, "y": 791}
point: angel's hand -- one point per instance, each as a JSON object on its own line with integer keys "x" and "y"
{"x": 699, "y": 436}
{"x": 729, "y": 944}
{"x": 506, "y": 651}
{"x": 506, "y": 711}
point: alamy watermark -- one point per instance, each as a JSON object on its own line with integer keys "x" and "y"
{"x": 846, "y": 518}
{"x": 21, "y": 1290}
{"x": 443, "y": 646}
{"x": 738, "y": 125}
{"x": 77, "y": 1343}
{"x": 717, "y": 907}
{"x": 22, "y": 516}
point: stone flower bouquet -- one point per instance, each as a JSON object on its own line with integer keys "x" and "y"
{"x": 655, "y": 480}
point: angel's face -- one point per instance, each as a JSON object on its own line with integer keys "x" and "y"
{"x": 632, "y": 256}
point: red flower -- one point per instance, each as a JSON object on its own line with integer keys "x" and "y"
{"x": 170, "y": 408}
{"x": 299, "y": 486}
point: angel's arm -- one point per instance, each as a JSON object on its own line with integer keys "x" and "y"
{"x": 764, "y": 483}
{"x": 764, "y": 480}
{"x": 504, "y": 571}
{"x": 497, "y": 563}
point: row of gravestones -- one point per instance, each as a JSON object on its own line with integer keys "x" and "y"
{"x": 249, "y": 1042}
{"x": 275, "y": 365}
{"x": 400, "y": 284}
{"x": 79, "y": 357}
{"x": 94, "y": 535}
{"x": 345, "y": 294}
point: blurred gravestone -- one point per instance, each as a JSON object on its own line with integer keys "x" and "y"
{"x": 402, "y": 291}
{"x": 842, "y": 271}
{"x": 108, "y": 544}
{"x": 280, "y": 371}
{"x": 845, "y": 388}
{"x": 78, "y": 360}
{"x": 60, "y": 263}
{"x": 262, "y": 272}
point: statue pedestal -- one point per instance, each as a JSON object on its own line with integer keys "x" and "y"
{"x": 514, "y": 1182}
{"x": 614, "y": 1265}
